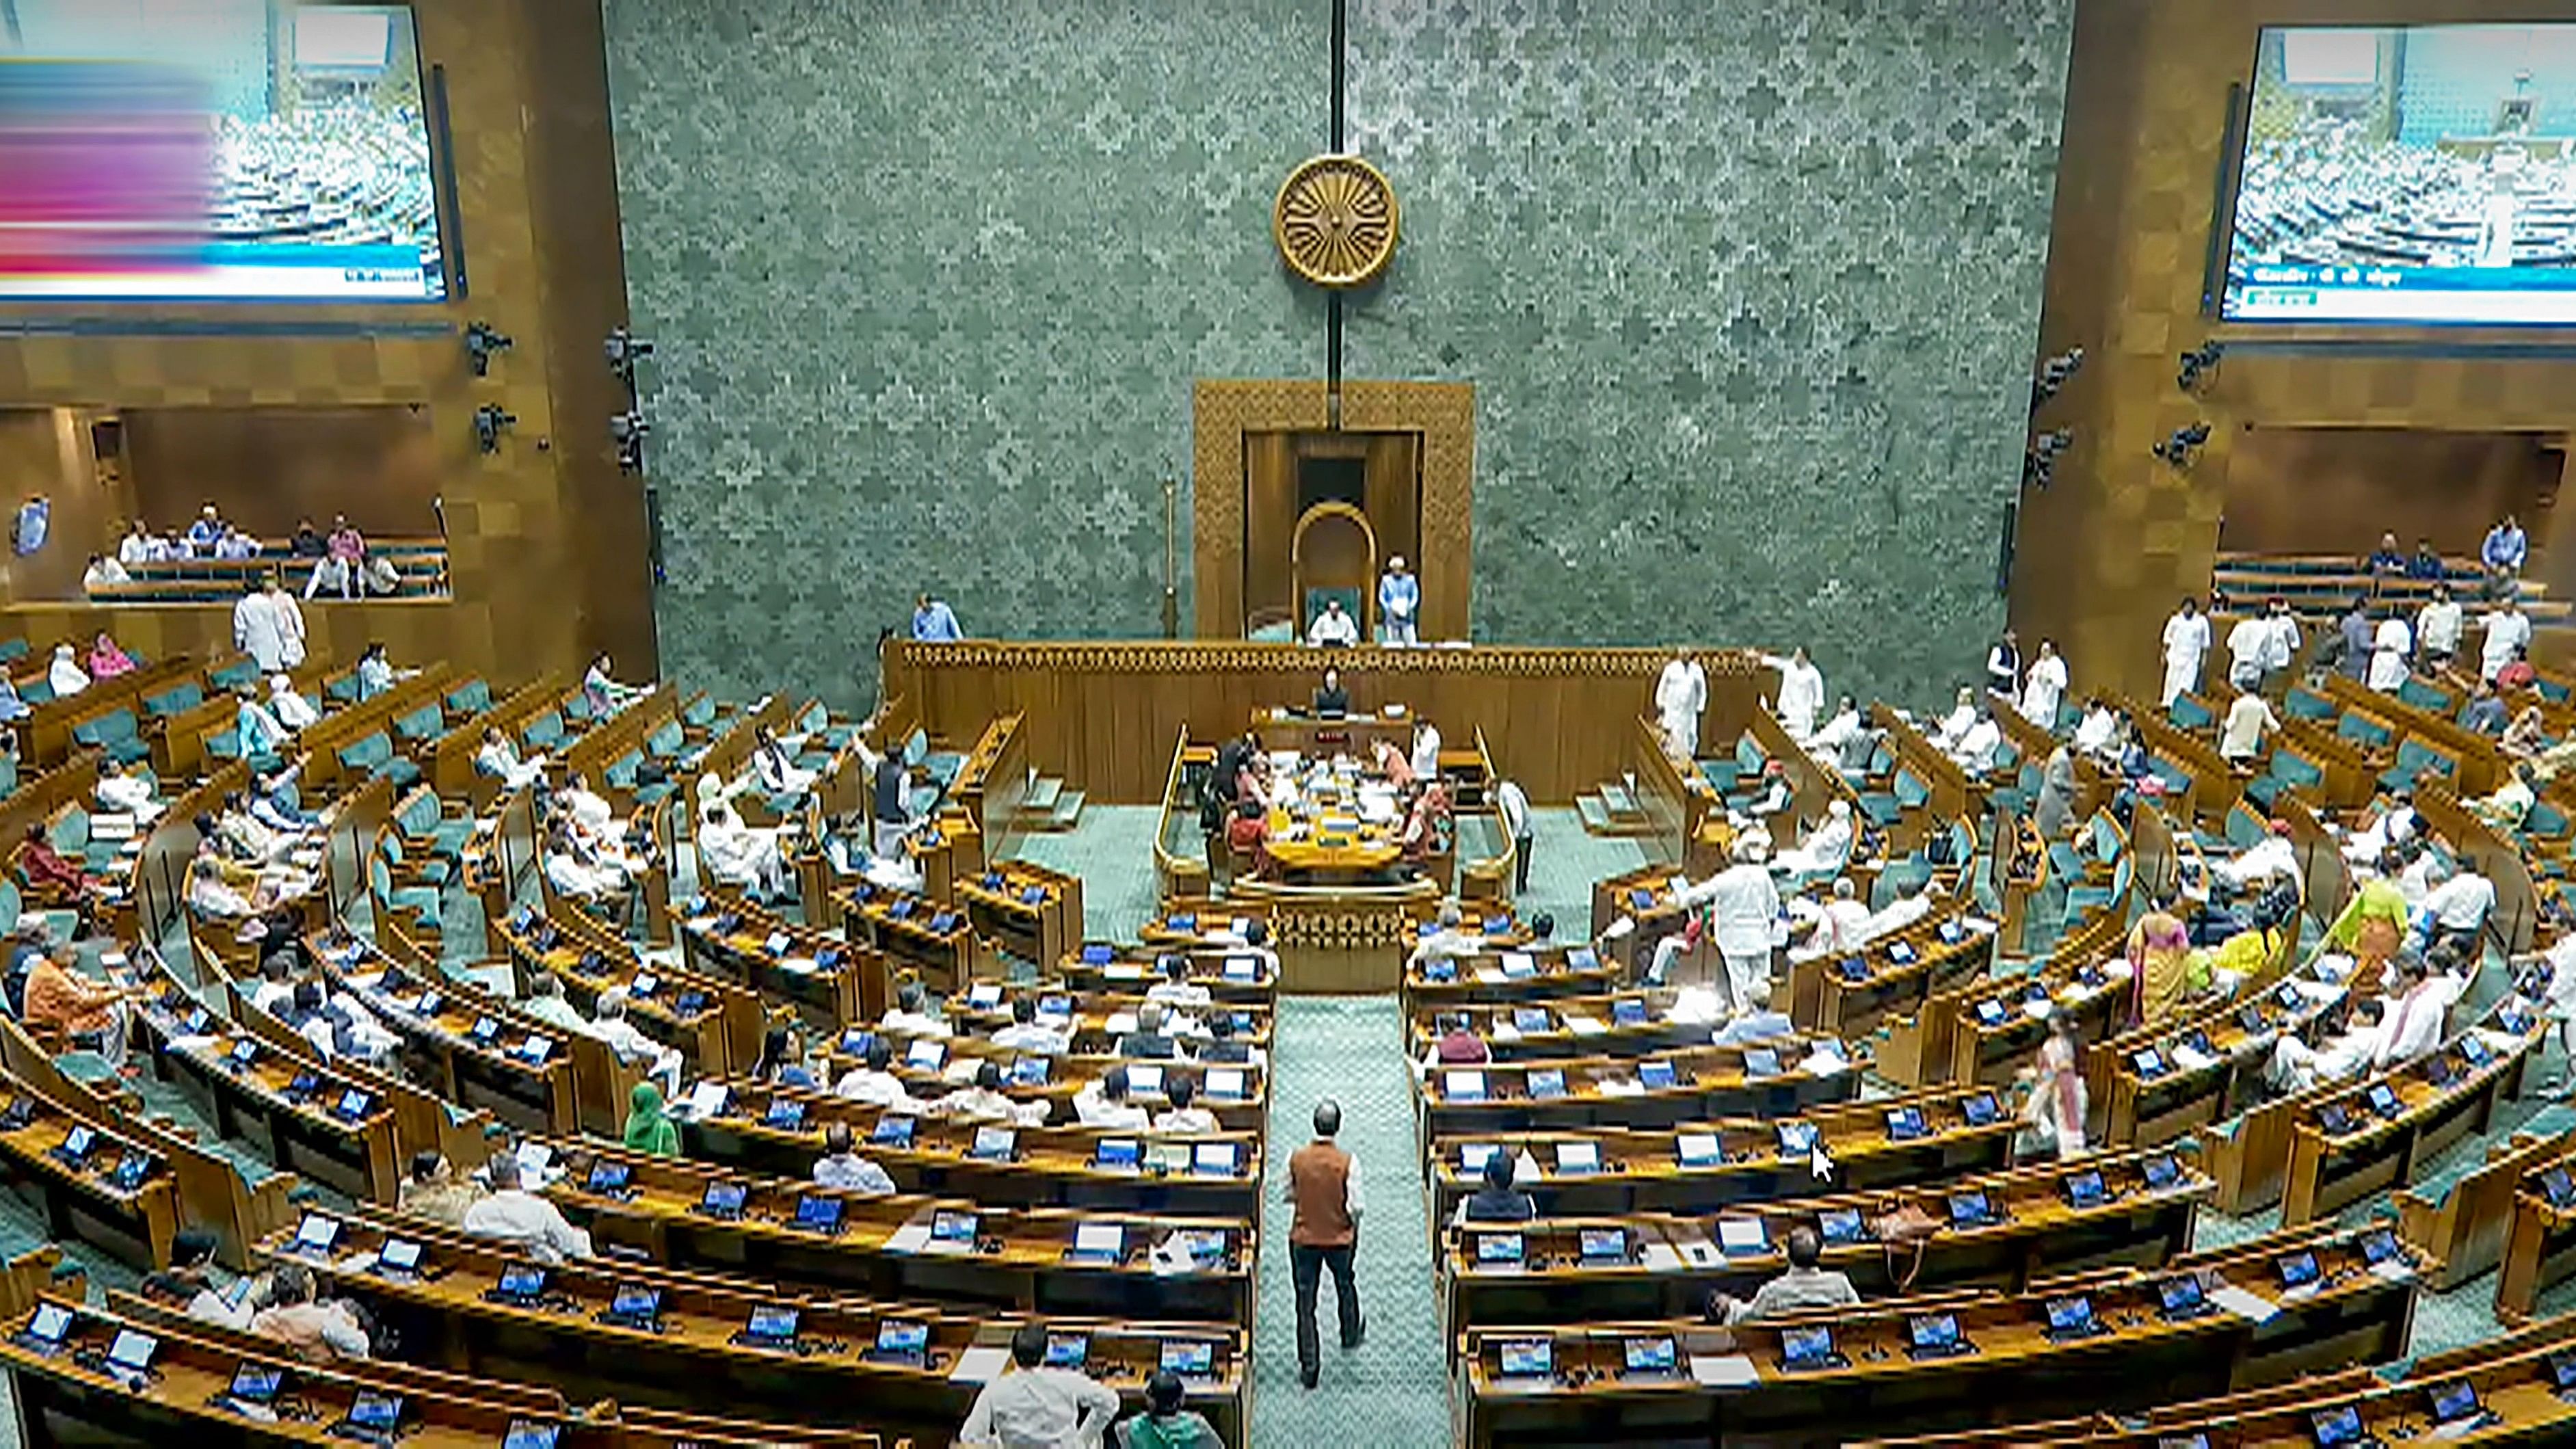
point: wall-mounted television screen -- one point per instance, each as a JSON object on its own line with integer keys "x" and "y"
{"x": 223, "y": 150}
{"x": 2408, "y": 175}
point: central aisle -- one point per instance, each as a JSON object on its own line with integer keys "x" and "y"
{"x": 1394, "y": 1389}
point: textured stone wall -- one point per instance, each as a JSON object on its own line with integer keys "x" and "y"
{"x": 1748, "y": 294}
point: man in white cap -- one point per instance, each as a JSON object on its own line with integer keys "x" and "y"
{"x": 1399, "y": 604}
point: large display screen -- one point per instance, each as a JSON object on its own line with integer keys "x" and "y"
{"x": 2408, "y": 175}
{"x": 178, "y": 150}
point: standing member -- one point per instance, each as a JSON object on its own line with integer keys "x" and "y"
{"x": 1681, "y": 692}
{"x": 2437, "y": 629}
{"x": 1802, "y": 692}
{"x": 2003, "y": 668}
{"x": 2044, "y": 687}
{"x": 2508, "y": 633}
{"x": 2186, "y": 643}
{"x": 1512, "y": 805}
{"x": 933, "y": 622}
{"x": 1324, "y": 1187}
{"x": 1399, "y": 604}
{"x": 893, "y": 806}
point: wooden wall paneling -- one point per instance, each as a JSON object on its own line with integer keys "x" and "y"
{"x": 1269, "y": 525}
{"x": 1556, "y": 719}
{"x": 1222, "y": 410}
{"x": 2327, "y": 490}
{"x": 573, "y": 165}
{"x": 266, "y": 468}
{"x": 1444, "y": 415}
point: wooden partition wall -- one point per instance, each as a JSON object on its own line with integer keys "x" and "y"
{"x": 1103, "y": 716}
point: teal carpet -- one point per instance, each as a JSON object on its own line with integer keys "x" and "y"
{"x": 1394, "y": 1388}
{"x": 1113, "y": 851}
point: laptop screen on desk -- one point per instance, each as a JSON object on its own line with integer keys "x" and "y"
{"x": 1650, "y": 1355}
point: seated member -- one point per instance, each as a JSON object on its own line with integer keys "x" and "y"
{"x": 1032, "y": 1405}
{"x": 1333, "y": 628}
{"x": 1498, "y": 1201}
{"x": 2298, "y": 1067}
{"x": 1331, "y": 700}
{"x": 1804, "y": 1287}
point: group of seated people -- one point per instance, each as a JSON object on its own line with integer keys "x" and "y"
{"x": 340, "y": 558}
{"x": 1248, "y": 781}
{"x": 590, "y": 855}
{"x": 281, "y": 1305}
{"x": 65, "y": 675}
{"x": 259, "y": 851}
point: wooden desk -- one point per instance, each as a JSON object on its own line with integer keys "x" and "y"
{"x": 1051, "y": 1167}
{"x": 929, "y": 938}
{"x": 1066, "y": 1076}
{"x": 2330, "y": 1168}
{"x": 1033, "y": 912}
{"x": 2014, "y": 1369}
{"x": 1708, "y": 1082}
{"x": 715, "y": 1023}
{"x": 1643, "y": 1171}
{"x": 1088, "y": 1016}
{"x": 1627, "y": 1024}
{"x": 247, "y": 1088}
{"x": 829, "y": 982}
{"x": 1355, "y": 734}
{"x": 1325, "y": 839}
{"x": 1020, "y": 1258}
{"x": 1235, "y": 975}
{"x": 2510, "y": 1378}
{"x": 120, "y": 1195}
{"x": 194, "y": 1365}
{"x": 2209, "y": 1068}
{"x": 441, "y": 1020}
{"x": 1849, "y": 994}
{"x": 693, "y": 1360}
{"x": 1499, "y": 976}
{"x": 1671, "y": 1264}
{"x": 2540, "y": 1243}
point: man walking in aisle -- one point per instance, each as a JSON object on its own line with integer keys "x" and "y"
{"x": 1324, "y": 1187}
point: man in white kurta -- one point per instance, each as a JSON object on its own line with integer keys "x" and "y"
{"x": 2186, "y": 643}
{"x": 2247, "y": 643}
{"x": 1976, "y": 749}
{"x": 2281, "y": 643}
{"x": 1333, "y": 628}
{"x": 270, "y": 629}
{"x": 2437, "y": 628}
{"x": 1743, "y": 912}
{"x": 1826, "y": 847}
{"x": 2389, "y": 647}
{"x": 1802, "y": 692}
{"x": 1425, "y": 758}
{"x": 2508, "y": 631}
{"x": 1954, "y": 726}
{"x": 1681, "y": 692}
{"x": 2043, "y": 686}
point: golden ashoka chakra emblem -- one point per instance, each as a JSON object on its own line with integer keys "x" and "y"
{"x": 1335, "y": 221}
